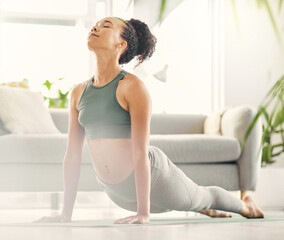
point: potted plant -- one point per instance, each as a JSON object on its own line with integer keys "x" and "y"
{"x": 272, "y": 123}
{"x": 59, "y": 102}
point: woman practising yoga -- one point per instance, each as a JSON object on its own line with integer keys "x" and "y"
{"x": 113, "y": 111}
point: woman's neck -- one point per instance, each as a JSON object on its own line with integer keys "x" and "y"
{"x": 104, "y": 74}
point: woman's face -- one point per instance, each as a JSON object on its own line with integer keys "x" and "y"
{"x": 106, "y": 35}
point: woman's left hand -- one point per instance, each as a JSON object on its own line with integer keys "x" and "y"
{"x": 138, "y": 218}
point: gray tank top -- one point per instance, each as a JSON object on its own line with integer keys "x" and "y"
{"x": 100, "y": 113}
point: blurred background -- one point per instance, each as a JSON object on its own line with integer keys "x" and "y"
{"x": 209, "y": 54}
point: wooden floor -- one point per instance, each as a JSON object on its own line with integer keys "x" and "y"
{"x": 195, "y": 231}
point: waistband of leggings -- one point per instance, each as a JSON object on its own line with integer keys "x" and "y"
{"x": 117, "y": 185}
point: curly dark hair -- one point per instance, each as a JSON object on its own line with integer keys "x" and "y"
{"x": 140, "y": 41}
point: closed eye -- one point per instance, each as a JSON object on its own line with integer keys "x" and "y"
{"x": 106, "y": 26}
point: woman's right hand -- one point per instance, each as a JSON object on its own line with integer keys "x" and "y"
{"x": 58, "y": 218}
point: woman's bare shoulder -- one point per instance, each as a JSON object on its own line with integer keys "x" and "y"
{"x": 79, "y": 86}
{"x": 78, "y": 90}
{"x": 132, "y": 79}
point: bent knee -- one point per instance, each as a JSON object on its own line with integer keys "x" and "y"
{"x": 202, "y": 199}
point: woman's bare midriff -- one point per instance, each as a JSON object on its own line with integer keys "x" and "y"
{"x": 111, "y": 158}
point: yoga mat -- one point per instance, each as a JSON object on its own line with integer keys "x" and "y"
{"x": 153, "y": 221}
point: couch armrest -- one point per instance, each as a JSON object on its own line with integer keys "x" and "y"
{"x": 60, "y": 117}
{"x": 168, "y": 123}
{"x": 234, "y": 123}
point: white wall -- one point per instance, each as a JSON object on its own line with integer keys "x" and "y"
{"x": 254, "y": 59}
{"x": 184, "y": 44}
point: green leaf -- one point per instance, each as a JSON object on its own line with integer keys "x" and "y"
{"x": 264, "y": 154}
{"x": 272, "y": 115}
{"x": 266, "y": 136}
{"x": 279, "y": 119}
{"x": 274, "y": 25}
{"x": 280, "y": 6}
{"x": 269, "y": 96}
{"x": 48, "y": 84}
{"x": 265, "y": 114}
{"x": 269, "y": 151}
{"x": 275, "y": 93}
{"x": 162, "y": 10}
{"x": 281, "y": 129}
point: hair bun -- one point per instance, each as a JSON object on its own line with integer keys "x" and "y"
{"x": 143, "y": 34}
{"x": 140, "y": 41}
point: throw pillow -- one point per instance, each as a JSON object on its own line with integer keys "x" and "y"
{"x": 21, "y": 84}
{"x": 3, "y": 130}
{"x": 212, "y": 123}
{"x": 23, "y": 111}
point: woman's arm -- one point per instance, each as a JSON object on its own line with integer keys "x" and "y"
{"x": 73, "y": 156}
{"x": 72, "y": 162}
{"x": 71, "y": 172}
{"x": 140, "y": 109}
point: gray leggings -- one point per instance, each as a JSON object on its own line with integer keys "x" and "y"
{"x": 171, "y": 190}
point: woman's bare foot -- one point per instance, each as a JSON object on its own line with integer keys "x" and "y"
{"x": 250, "y": 209}
{"x": 215, "y": 213}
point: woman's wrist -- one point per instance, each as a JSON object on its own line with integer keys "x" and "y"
{"x": 143, "y": 214}
{"x": 67, "y": 215}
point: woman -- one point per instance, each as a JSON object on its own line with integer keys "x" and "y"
{"x": 113, "y": 111}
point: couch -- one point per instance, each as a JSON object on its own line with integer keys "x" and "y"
{"x": 33, "y": 162}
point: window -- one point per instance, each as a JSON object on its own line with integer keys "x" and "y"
{"x": 62, "y": 7}
{"x": 45, "y": 40}
{"x": 40, "y": 52}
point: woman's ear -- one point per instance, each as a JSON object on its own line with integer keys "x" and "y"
{"x": 123, "y": 44}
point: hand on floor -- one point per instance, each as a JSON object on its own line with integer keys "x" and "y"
{"x": 138, "y": 218}
{"x": 58, "y": 218}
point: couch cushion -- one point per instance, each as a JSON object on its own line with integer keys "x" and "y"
{"x": 180, "y": 148}
{"x": 23, "y": 111}
{"x": 197, "y": 148}
{"x": 36, "y": 148}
